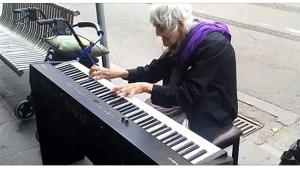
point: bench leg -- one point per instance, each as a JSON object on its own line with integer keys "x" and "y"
{"x": 235, "y": 151}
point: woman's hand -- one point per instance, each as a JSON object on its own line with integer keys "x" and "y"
{"x": 132, "y": 89}
{"x": 101, "y": 72}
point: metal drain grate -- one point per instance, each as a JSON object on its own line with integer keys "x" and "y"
{"x": 247, "y": 125}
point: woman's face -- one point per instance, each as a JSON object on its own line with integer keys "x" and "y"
{"x": 168, "y": 38}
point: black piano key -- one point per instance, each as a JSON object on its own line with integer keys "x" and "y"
{"x": 138, "y": 112}
{"x": 134, "y": 110}
{"x": 148, "y": 122}
{"x": 111, "y": 94}
{"x": 130, "y": 110}
{"x": 140, "y": 116}
{"x": 70, "y": 72}
{"x": 162, "y": 132}
{"x": 143, "y": 121}
{"x": 91, "y": 86}
{"x": 74, "y": 74}
{"x": 173, "y": 138}
{"x": 102, "y": 88}
{"x": 152, "y": 125}
{"x": 108, "y": 97}
{"x": 158, "y": 129}
{"x": 118, "y": 102}
{"x": 92, "y": 83}
{"x": 67, "y": 67}
{"x": 84, "y": 75}
{"x": 85, "y": 81}
{"x": 112, "y": 98}
{"x": 118, "y": 99}
{"x": 181, "y": 139}
{"x": 105, "y": 93}
{"x": 99, "y": 91}
{"x": 186, "y": 145}
{"x": 168, "y": 136}
{"x": 188, "y": 150}
{"x": 200, "y": 153}
{"x": 135, "y": 114}
{"x": 77, "y": 77}
{"x": 81, "y": 75}
{"x": 108, "y": 93}
{"x": 124, "y": 108}
{"x": 62, "y": 68}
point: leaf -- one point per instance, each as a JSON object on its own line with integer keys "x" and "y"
{"x": 275, "y": 129}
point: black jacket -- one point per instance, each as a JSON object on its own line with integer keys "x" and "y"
{"x": 207, "y": 86}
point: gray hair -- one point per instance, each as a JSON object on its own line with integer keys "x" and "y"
{"x": 166, "y": 17}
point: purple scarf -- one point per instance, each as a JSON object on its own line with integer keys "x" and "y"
{"x": 197, "y": 34}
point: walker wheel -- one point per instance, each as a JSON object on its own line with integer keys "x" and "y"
{"x": 24, "y": 110}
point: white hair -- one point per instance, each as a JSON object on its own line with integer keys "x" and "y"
{"x": 166, "y": 17}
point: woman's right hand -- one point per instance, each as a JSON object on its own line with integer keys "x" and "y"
{"x": 102, "y": 72}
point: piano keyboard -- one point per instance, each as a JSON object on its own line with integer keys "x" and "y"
{"x": 183, "y": 141}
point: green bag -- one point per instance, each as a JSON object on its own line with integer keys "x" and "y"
{"x": 68, "y": 46}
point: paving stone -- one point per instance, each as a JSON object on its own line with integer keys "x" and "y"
{"x": 17, "y": 136}
{"x": 5, "y": 116}
{"x": 30, "y": 156}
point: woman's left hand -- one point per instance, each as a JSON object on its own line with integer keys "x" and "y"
{"x": 132, "y": 89}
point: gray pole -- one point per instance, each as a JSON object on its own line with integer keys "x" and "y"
{"x": 103, "y": 41}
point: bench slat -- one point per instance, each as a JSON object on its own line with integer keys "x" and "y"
{"x": 27, "y": 36}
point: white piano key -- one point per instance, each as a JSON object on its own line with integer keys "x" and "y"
{"x": 93, "y": 90}
{"x": 102, "y": 89}
{"x": 134, "y": 112}
{"x": 164, "y": 130}
{"x": 192, "y": 153}
{"x": 152, "y": 121}
{"x": 102, "y": 94}
{"x": 79, "y": 80}
{"x": 92, "y": 86}
{"x": 113, "y": 100}
{"x": 164, "y": 135}
{"x": 180, "y": 144}
{"x": 74, "y": 74}
{"x": 67, "y": 71}
{"x": 198, "y": 159}
{"x": 141, "y": 119}
{"x": 70, "y": 73}
{"x": 87, "y": 83}
{"x": 122, "y": 105}
{"x": 154, "y": 127}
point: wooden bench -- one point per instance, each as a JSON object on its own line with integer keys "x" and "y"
{"x": 21, "y": 45}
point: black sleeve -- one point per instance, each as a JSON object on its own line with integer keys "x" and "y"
{"x": 151, "y": 73}
{"x": 197, "y": 78}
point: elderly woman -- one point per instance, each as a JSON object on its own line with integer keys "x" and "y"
{"x": 198, "y": 70}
